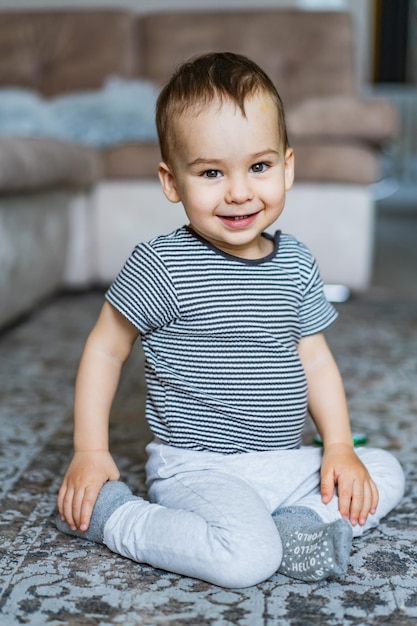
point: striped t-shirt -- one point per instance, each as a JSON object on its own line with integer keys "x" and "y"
{"x": 220, "y": 336}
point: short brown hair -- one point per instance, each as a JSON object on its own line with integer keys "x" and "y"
{"x": 199, "y": 81}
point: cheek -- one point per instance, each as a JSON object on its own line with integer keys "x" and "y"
{"x": 202, "y": 196}
{"x": 275, "y": 193}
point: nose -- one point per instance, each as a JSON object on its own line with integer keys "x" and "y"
{"x": 239, "y": 190}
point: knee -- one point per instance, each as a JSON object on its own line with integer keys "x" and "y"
{"x": 249, "y": 560}
{"x": 386, "y": 472}
{"x": 395, "y": 477}
{"x": 389, "y": 469}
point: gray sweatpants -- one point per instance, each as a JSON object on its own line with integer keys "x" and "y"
{"x": 209, "y": 514}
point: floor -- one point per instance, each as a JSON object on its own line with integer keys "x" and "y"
{"x": 50, "y": 579}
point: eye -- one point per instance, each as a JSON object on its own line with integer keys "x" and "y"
{"x": 211, "y": 174}
{"x": 258, "y": 168}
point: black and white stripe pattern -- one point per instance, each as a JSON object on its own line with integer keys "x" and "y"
{"x": 220, "y": 335}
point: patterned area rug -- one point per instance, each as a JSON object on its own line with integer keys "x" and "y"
{"x": 49, "y": 579}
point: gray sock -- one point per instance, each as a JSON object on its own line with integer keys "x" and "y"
{"x": 112, "y": 495}
{"x": 312, "y": 549}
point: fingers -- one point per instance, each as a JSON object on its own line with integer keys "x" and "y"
{"x": 87, "y": 505}
{"x": 64, "y": 502}
{"x": 375, "y": 497}
{"x": 356, "y": 491}
{"x": 327, "y": 486}
{"x": 85, "y": 476}
{"x": 346, "y": 497}
{"x": 370, "y": 502}
{"x": 357, "y": 500}
{"x": 76, "y": 506}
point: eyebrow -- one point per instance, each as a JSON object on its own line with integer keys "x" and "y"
{"x": 252, "y": 157}
{"x": 204, "y": 161}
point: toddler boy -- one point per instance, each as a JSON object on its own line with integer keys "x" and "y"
{"x": 231, "y": 320}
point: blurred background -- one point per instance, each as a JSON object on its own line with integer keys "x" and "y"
{"x": 78, "y": 151}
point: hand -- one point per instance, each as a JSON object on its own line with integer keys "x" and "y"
{"x": 357, "y": 492}
{"x": 87, "y": 473}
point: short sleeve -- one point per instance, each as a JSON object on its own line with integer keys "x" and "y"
{"x": 316, "y": 312}
{"x": 143, "y": 291}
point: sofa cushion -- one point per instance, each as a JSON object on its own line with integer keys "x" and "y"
{"x": 29, "y": 164}
{"x": 306, "y": 53}
{"x": 132, "y": 160}
{"x": 343, "y": 117}
{"x": 59, "y": 51}
{"x": 24, "y": 113}
{"x": 123, "y": 110}
{"x": 332, "y": 162}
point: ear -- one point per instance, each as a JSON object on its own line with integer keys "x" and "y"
{"x": 289, "y": 168}
{"x": 168, "y": 184}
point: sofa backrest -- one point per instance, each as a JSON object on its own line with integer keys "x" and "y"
{"x": 60, "y": 51}
{"x": 305, "y": 53}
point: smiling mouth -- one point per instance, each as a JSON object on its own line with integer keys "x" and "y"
{"x": 239, "y": 221}
{"x": 238, "y": 218}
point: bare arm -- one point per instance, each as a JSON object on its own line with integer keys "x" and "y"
{"x": 107, "y": 348}
{"x": 358, "y": 495}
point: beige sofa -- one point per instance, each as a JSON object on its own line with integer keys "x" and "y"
{"x": 70, "y": 214}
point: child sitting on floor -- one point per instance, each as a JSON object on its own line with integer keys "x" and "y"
{"x": 231, "y": 320}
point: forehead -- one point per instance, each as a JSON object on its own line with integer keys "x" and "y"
{"x": 219, "y": 129}
{"x": 259, "y": 115}
{"x": 222, "y": 104}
